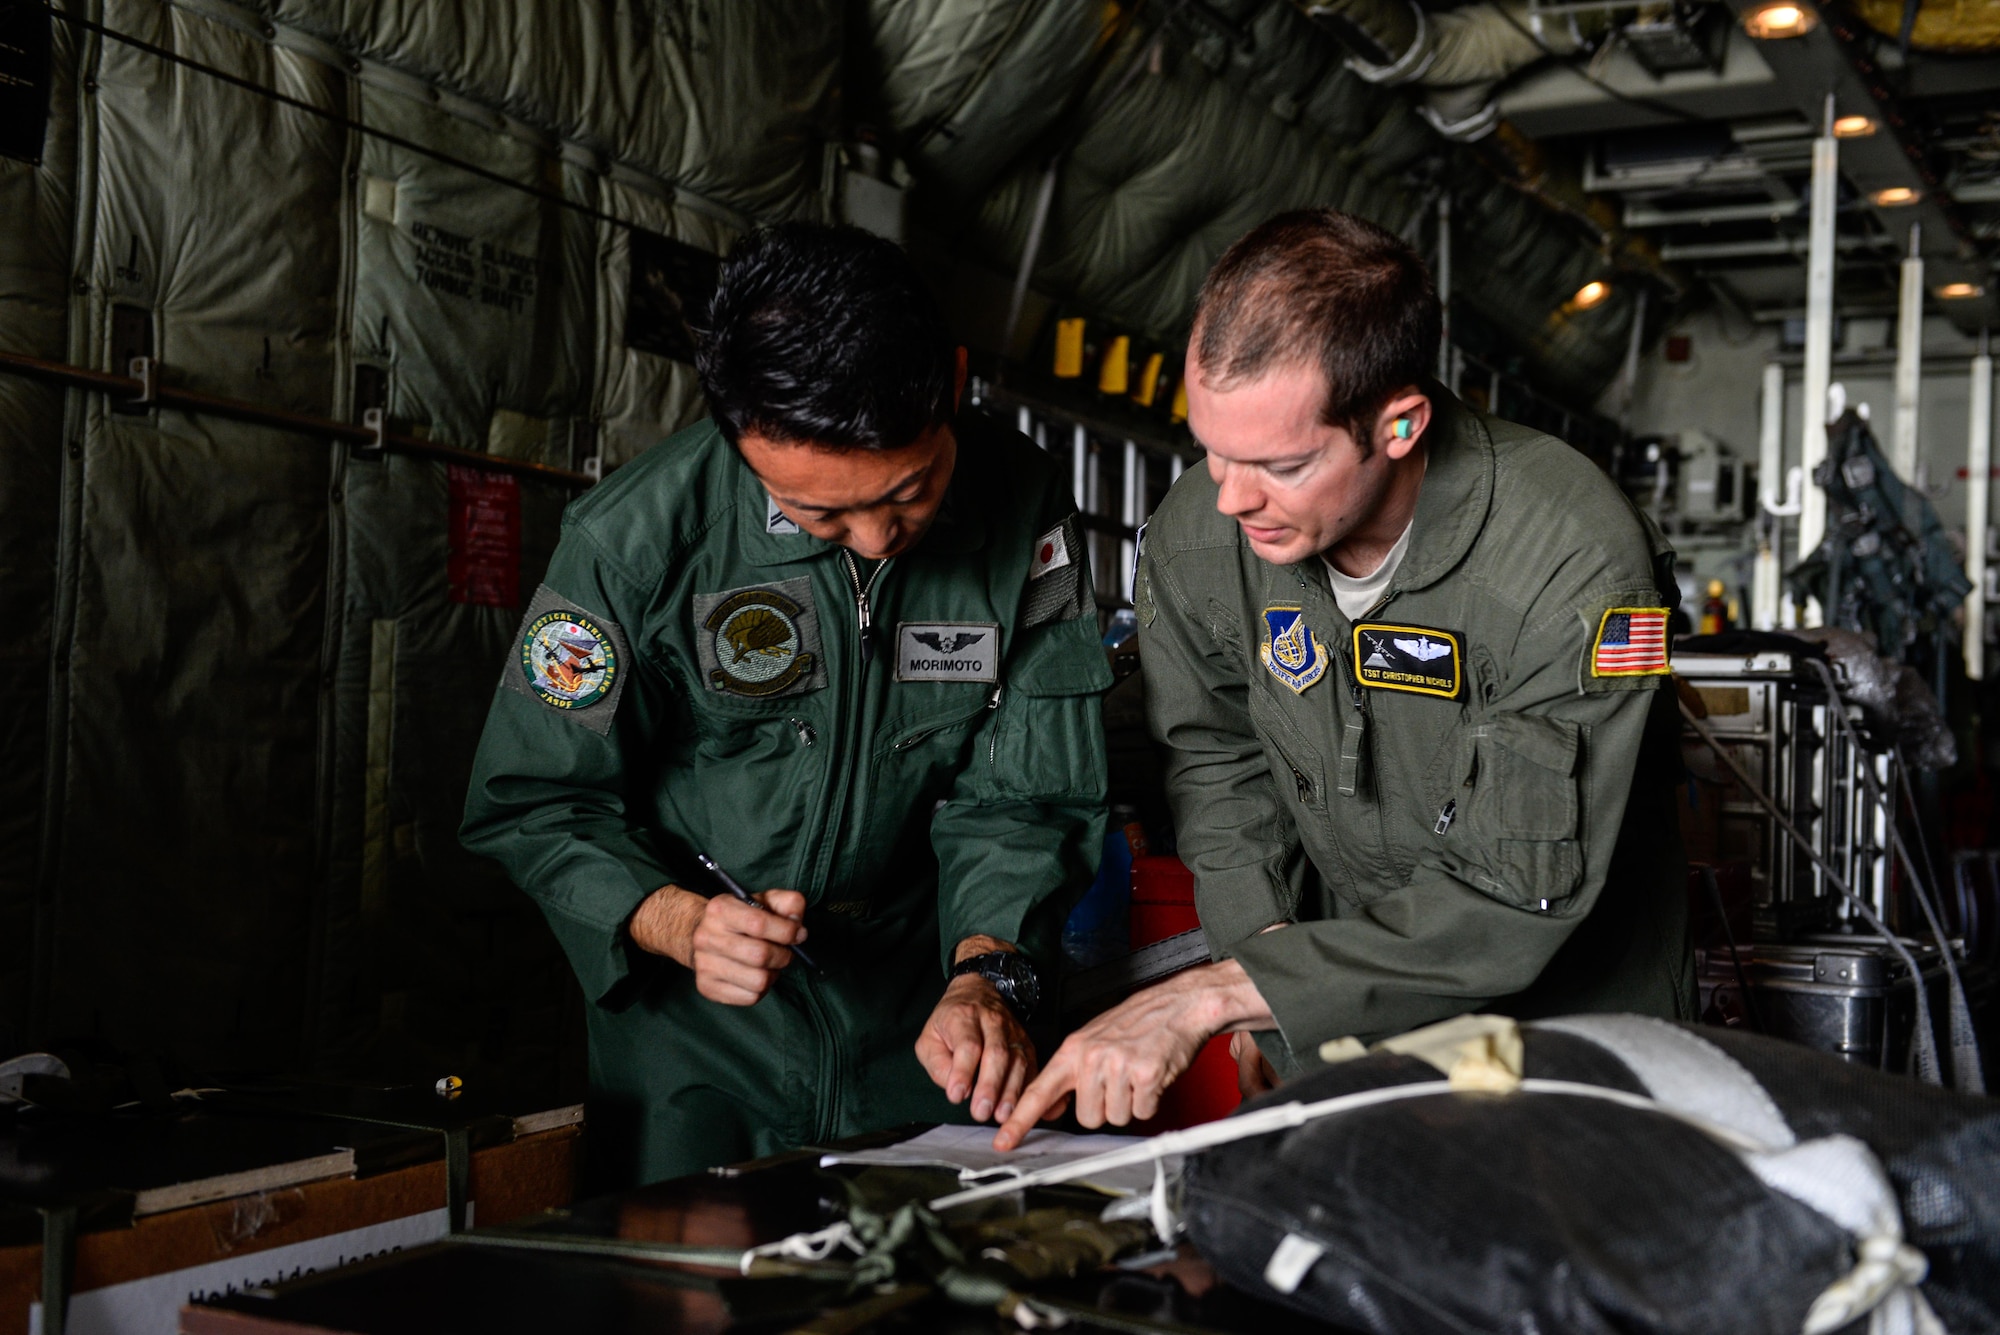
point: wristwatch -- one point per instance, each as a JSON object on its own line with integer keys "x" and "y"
{"x": 1012, "y": 977}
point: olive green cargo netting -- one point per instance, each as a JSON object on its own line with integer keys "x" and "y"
{"x": 243, "y": 704}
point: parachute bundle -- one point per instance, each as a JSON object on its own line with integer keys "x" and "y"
{"x": 1646, "y": 1178}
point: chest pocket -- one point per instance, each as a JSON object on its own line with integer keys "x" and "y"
{"x": 1521, "y": 816}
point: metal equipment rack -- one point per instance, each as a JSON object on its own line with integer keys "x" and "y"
{"x": 1772, "y": 714}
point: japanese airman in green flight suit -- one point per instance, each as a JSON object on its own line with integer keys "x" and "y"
{"x": 841, "y": 640}
{"x": 1404, "y": 661}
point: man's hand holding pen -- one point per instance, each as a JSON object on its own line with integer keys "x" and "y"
{"x": 735, "y": 949}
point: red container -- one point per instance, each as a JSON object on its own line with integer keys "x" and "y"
{"x": 1163, "y": 906}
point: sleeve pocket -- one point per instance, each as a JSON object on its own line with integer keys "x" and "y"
{"x": 1047, "y": 739}
{"x": 1525, "y": 808}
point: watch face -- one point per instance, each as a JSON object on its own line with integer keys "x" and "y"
{"x": 1021, "y": 986}
{"x": 1012, "y": 976}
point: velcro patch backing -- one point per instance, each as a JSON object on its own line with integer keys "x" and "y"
{"x": 760, "y": 642}
{"x": 1056, "y": 591}
{"x": 572, "y": 661}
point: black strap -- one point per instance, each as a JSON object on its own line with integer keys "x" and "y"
{"x": 58, "y": 1265}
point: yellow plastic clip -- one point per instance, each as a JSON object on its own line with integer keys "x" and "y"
{"x": 1149, "y": 381}
{"x": 1069, "y": 348}
{"x": 1114, "y": 373}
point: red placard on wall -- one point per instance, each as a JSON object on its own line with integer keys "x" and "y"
{"x": 484, "y": 568}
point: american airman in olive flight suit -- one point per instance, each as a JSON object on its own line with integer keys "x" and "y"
{"x": 1450, "y": 797}
{"x": 1404, "y": 663}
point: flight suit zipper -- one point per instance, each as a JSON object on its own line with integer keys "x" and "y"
{"x": 864, "y": 617}
{"x": 853, "y": 761}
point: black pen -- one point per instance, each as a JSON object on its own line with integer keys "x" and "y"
{"x": 729, "y": 884}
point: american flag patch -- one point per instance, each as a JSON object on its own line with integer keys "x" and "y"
{"x": 1631, "y": 642}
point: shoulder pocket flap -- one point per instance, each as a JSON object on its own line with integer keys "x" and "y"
{"x": 1061, "y": 658}
{"x": 1549, "y": 743}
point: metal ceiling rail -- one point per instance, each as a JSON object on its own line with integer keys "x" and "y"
{"x": 1647, "y": 215}
{"x": 1766, "y": 246}
{"x": 370, "y": 439}
{"x": 1834, "y": 58}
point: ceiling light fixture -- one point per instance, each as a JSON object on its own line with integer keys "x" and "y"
{"x": 1590, "y": 294}
{"x": 1960, "y": 291}
{"x": 1894, "y": 197}
{"x": 1786, "y": 18}
{"x": 1853, "y": 127}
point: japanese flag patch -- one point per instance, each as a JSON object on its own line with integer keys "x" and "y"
{"x": 1051, "y": 552}
{"x": 1631, "y": 642}
{"x": 1055, "y": 590}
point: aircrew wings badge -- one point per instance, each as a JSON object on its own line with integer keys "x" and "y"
{"x": 1631, "y": 642}
{"x": 1290, "y": 650}
{"x": 1419, "y": 659}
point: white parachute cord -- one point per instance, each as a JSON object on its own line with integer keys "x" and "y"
{"x": 814, "y": 1246}
{"x": 1166, "y": 1222}
{"x": 1284, "y": 1116}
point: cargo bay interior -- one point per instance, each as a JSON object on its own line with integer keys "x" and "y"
{"x": 314, "y": 318}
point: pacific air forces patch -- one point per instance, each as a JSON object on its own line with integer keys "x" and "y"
{"x": 570, "y": 660}
{"x": 760, "y": 642}
{"x": 1421, "y": 659}
{"x": 1295, "y": 655}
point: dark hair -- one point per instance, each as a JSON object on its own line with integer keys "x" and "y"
{"x": 827, "y": 335}
{"x": 1321, "y": 288}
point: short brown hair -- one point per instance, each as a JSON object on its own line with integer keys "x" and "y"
{"x": 1317, "y": 287}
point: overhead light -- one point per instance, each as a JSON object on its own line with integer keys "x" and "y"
{"x": 1590, "y": 294}
{"x": 1853, "y": 127}
{"x": 1960, "y": 291}
{"x": 1786, "y": 18}
{"x": 1894, "y": 197}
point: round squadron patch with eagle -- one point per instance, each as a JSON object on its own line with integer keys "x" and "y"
{"x": 758, "y": 649}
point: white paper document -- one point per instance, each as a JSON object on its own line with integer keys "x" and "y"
{"x": 969, "y": 1150}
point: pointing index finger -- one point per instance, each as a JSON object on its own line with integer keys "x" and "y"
{"x": 1048, "y": 1089}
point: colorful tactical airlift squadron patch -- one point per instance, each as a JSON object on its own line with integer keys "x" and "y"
{"x": 570, "y": 660}
{"x": 1290, "y": 650}
{"x": 1631, "y": 642}
{"x": 1419, "y": 659}
{"x": 760, "y": 641}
